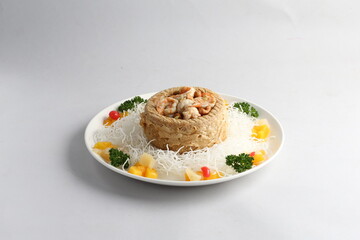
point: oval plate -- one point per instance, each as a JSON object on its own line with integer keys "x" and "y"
{"x": 274, "y": 147}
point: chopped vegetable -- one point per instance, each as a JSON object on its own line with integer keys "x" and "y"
{"x": 144, "y": 167}
{"x": 246, "y": 108}
{"x": 240, "y": 163}
{"x": 114, "y": 115}
{"x": 103, "y": 145}
{"x": 108, "y": 121}
{"x": 130, "y": 104}
{"x": 261, "y": 130}
{"x": 205, "y": 171}
{"x": 190, "y": 175}
{"x": 137, "y": 170}
{"x": 151, "y": 173}
{"x": 252, "y": 154}
{"x": 213, "y": 175}
{"x": 146, "y": 160}
{"x": 104, "y": 154}
{"x": 118, "y": 158}
{"x": 259, "y": 157}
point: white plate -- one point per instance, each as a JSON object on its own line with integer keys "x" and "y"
{"x": 274, "y": 148}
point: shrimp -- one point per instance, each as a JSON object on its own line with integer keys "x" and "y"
{"x": 207, "y": 99}
{"x": 198, "y": 93}
{"x": 183, "y": 104}
{"x": 167, "y": 106}
{"x": 204, "y": 103}
{"x": 187, "y": 110}
{"x": 187, "y": 92}
{"x": 191, "y": 112}
{"x": 205, "y": 110}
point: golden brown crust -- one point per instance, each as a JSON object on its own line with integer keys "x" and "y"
{"x": 192, "y": 134}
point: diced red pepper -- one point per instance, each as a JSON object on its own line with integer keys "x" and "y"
{"x": 114, "y": 115}
{"x": 205, "y": 171}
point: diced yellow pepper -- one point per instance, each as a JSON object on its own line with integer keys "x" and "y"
{"x": 151, "y": 173}
{"x": 137, "y": 170}
{"x": 103, "y": 145}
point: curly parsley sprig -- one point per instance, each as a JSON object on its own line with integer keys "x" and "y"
{"x": 240, "y": 163}
{"x": 131, "y": 104}
{"x": 246, "y": 108}
{"x": 118, "y": 158}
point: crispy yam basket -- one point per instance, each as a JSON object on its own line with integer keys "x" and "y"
{"x": 184, "y": 135}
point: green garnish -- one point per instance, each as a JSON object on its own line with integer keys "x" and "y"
{"x": 240, "y": 163}
{"x": 118, "y": 158}
{"x": 246, "y": 108}
{"x": 131, "y": 104}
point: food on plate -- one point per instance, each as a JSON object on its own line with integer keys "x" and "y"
{"x": 144, "y": 167}
{"x": 186, "y": 103}
{"x": 102, "y": 148}
{"x": 259, "y": 157}
{"x": 241, "y": 162}
{"x": 190, "y": 175}
{"x": 103, "y": 145}
{"x": 113, "y": 116}
{"x": 118, "y": 158}
{"x": 131, "y": 104}
{"x": 184, "y": 134}
{"x": 261, "y": 130}
{"x": 246, "y": 108}
{"x": 204, "y": 174}
{"x": 185, "y": 119}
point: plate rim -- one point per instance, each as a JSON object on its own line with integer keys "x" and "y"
{"x": 176, "y": 182}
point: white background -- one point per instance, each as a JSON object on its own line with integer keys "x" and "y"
{"x": 63, "y": 61}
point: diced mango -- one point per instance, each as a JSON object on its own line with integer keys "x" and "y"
{"x": 147, "y": 160}
{"x": 144, "y": 167}
{"x": 137, "y": 170}
{"x": 213, "y": 175}
{"x": 151, "y": 173}
{"x": 103, "y": 145}
{"x": 261, "y": 131}
{"x": 259, "y": 157}
{"x": 108, "y": 121}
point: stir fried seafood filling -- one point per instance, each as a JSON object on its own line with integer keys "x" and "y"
{"x": 187, "y": 104}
